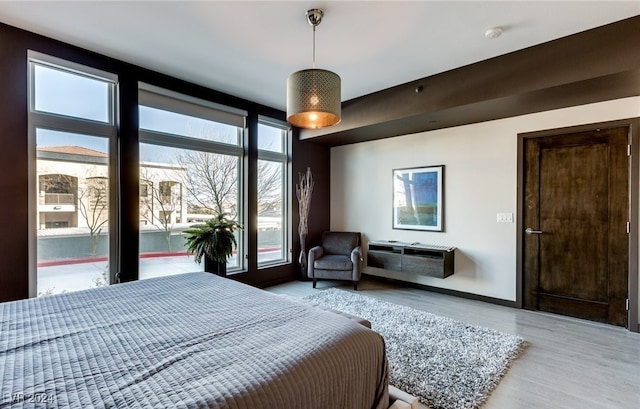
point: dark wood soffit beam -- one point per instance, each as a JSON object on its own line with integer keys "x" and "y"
{"x": 600, "y": 89}
{"x": 486, "y": 90}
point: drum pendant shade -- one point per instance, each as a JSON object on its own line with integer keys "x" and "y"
{"x": 313, "y": 98}
{"x": 313, "y": 95}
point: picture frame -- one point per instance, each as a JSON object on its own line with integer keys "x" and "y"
{"x": 418, "y": 198}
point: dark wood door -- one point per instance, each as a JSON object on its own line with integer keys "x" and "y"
{"x": 576, "y": 207}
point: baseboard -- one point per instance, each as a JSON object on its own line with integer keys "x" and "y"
{"x": 455, "y": 293}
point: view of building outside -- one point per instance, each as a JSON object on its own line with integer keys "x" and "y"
{"x": 191, "y": 169}
{"x": 73, "y": 213}
{"x": 73, "y": 216}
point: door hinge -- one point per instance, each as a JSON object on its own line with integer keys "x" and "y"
{"x": 628, "y": 227}
{"x": 629, "y": 150}
{"x": 627, "y": 307}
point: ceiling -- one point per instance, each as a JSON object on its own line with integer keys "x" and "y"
{"x": 248, "y": 48}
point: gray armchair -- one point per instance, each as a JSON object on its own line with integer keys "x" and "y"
{"x": 339, "y": 257}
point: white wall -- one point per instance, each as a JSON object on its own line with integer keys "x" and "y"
{"x": 480, "y": 181}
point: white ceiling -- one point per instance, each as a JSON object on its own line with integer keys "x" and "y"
{"x": 248, "y": 48}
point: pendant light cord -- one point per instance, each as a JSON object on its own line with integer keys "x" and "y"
{"x": 314, "y": 47}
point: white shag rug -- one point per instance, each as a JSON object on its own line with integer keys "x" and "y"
{"x": 446, "y": 363}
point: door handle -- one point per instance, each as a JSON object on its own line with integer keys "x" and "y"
{"x": 529, "y": 230}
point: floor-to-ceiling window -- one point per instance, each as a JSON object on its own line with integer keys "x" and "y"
{"x": 191, "y": 169}
{"x": 272, "y": 181}
{"x": 72, "y": 127}
{"x": 193, "y": 161}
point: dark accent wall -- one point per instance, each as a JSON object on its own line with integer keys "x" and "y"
{"x": 318, "y": 158}
{"x": 15, "y": 172}
{"x": 14, "y": 255}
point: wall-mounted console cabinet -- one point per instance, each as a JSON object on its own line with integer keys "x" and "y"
{"x": 414, "y": 258}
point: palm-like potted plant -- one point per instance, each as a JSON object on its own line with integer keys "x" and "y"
{"x": 214, "y": 240}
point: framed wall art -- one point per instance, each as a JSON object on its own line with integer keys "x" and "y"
{"x": 418, "y": 198}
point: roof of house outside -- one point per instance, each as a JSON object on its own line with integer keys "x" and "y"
{"x": 73, "y": 150}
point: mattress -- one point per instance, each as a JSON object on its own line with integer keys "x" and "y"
{"x": 186, "y": 341}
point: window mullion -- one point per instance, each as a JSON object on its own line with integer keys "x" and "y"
{"x": 68, "y": 124}
{"x": 175, "y": 141}
{"x": 272, "y": 156}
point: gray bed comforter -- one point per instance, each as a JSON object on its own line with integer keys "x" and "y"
{"x": 187, "y": 341}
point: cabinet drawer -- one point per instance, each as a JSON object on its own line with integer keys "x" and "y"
{"x": 429, "y": 266}
{"x": 384, "y": 259}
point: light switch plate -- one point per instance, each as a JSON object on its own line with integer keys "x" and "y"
{"x": 505, "y": 217}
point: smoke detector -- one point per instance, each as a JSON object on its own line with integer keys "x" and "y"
{"x": 494, "y": 32}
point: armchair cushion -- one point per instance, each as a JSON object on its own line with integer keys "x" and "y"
{"x": 333, "y": 262}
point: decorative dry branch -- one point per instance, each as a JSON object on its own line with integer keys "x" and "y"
{"x": 304, "y": 189}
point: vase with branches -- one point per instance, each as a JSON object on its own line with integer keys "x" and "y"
{"x": 304, "y": 190}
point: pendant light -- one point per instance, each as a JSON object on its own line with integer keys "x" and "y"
{"x": 313, "y": 95}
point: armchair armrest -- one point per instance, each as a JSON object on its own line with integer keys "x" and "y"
{"x": 314, "y": 254}
{"x": 356, "y": 259}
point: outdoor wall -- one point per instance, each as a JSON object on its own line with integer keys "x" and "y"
{"x": 72, "y": 247}
{"x": 480, "y": 180}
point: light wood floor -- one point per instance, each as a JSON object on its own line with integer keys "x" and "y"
{"x": 568, "y": 363}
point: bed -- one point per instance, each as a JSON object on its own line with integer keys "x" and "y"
{"x": 187, "y": 341}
